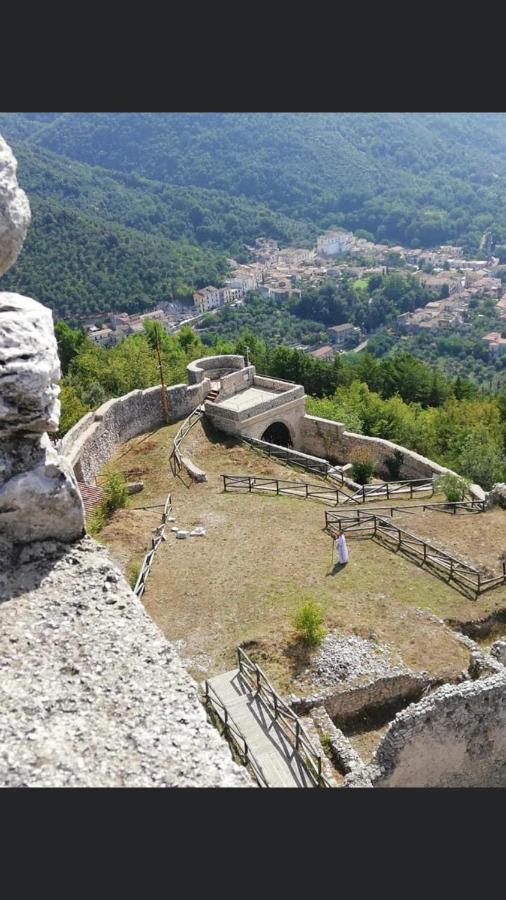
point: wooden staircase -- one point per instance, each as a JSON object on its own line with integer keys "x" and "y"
{"x": 212, "y": 395}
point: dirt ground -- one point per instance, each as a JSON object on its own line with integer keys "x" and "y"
{"x": 263, "y": 554}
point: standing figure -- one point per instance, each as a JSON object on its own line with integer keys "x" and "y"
{"x": 342, "y": 548}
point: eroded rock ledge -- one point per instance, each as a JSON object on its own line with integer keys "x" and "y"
{"x": 91, "y": 693}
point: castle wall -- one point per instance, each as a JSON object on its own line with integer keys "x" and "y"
{"x": 213, "y": 367}
{"x": 455, "y": 737}
{"x": 94, "y": 439}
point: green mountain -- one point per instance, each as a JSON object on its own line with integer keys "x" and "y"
{"x": 418, "y": 178}
{"x": 101, "y": 240}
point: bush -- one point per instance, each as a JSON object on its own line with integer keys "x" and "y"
{"x": 114, "y": 492}
{"x": 363, "y": 466}
{"x": 452, "y": 486}
{"x": 394, "y": 464}
{"x": 309, "y": 623}
{"x": 114, "y": 496}
{"x": 133, "y": 572}
{"x": 96, "y": 521}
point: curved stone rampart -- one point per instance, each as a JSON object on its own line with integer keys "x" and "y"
{"x": 455, "y": 737}
{"x": 214, "y": 367}
{"x": 94, "y": 439}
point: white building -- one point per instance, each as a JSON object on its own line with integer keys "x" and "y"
{"x": 207, "y": 298}
{"x": 333, "y": 243}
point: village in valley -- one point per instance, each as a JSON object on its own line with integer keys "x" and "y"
{"x": 282, "y": 273}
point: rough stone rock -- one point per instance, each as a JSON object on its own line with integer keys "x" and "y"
{"x": 42, "y": 502}
{"x": 91, "y": 693}
{"x": 498, "y": 651}
{"x": 14, "y": 209}
{"x": 497, "y": 496}
{"x": 29, "y": 366}
{"x": 134, "y": 487}
{"x": 350, "y": 657}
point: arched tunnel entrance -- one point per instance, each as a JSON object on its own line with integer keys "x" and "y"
{"x": 278, "y": 433}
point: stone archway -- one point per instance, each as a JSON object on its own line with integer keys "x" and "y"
{"x": 278, "y": 433}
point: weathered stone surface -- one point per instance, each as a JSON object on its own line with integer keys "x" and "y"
{"x": 498, "y": 651}
{"x": 455, "y": 737}
{"x": 497, "y": 496}
{"x": 42, "y": 502}
{"x": 29, "y": 366}
{"x": 14, "y": 209}
{"x": 91, "y": 693}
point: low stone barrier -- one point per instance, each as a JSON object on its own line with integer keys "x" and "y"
{"x": 94, "y": 439}
{"x": 456, "y": 737}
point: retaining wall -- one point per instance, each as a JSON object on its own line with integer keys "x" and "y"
{"x": 348, "y": 703}
{"x": 93, "y": 440}
{"x": 323, "y": 437}
{"x": 454, "y": 738}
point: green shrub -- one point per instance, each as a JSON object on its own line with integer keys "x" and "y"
{"x": 452, "y": 486}
{"x": 363, "y": 465}
{"x": 96, "y": 521}
{"x": 394, "y": 464}
{"x": 133, "y": 572}
{"x": 114, "y": 492}
{"x": 309, "y": 623}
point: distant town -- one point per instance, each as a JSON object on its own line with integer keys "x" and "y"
{"x": 281, "y": 273}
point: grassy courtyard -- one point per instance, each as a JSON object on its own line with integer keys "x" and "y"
{"x": 263, "y": 554}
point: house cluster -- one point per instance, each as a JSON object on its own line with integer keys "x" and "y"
{"x": 339, "y": 336}
{"x": 120, "y": 325}
{"x": 448, "y": 312}
{"x": 496, "y": 343}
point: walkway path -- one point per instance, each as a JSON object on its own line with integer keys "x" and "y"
{"x": 280, "y": 763}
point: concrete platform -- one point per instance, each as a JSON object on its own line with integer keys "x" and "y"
{"x": 248, "y": 399}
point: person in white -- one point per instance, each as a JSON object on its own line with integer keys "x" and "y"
{"x": 342, "y": 548}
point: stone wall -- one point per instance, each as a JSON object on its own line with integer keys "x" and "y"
{"x": 94, "y": 439}
{"x": 344, "y": 705}
{"x": 213, "y": 367}
{"x": 92, "y": 694}
{"x": 323, "y": 437}
{"x": 236, "y": 381}
{"x": 455, "y": 737}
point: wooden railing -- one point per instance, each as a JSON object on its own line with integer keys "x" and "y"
{"x": 233, "y": 733}
{"x": 450, "y": 508}
{"x": 388, "y": 489}
{"x": 287, "y": 720}
{"x": 286, "y": 455}
{"x": 175, "y": 459}
{"x": 150, "y": 555}
{"x": 360, "y": 522}
{"x": 249, "y": 483}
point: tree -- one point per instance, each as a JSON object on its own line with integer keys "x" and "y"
{"x": 480, "y": 459}
{"x": 155, "y": 333}
{"x": 69, "y": 343}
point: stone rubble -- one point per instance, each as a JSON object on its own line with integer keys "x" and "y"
{"x": 350, "y": 657}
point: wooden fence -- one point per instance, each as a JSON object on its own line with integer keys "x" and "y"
{"x": 249, "y": 483}
{"x": 233, "y": 733}
{"x": 287, "y": 720}
{"x": 450, "y": 508}
{"x": 361, "y": 522}
{"x": 150, "y": 555}
{"x": 408, "y": 487}
{"x": 299, "y": 460}
{"x": 175, "y": 458}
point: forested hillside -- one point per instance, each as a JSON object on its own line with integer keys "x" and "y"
{"x": 101, "y": 241}
{"x": 418, "y": 178}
